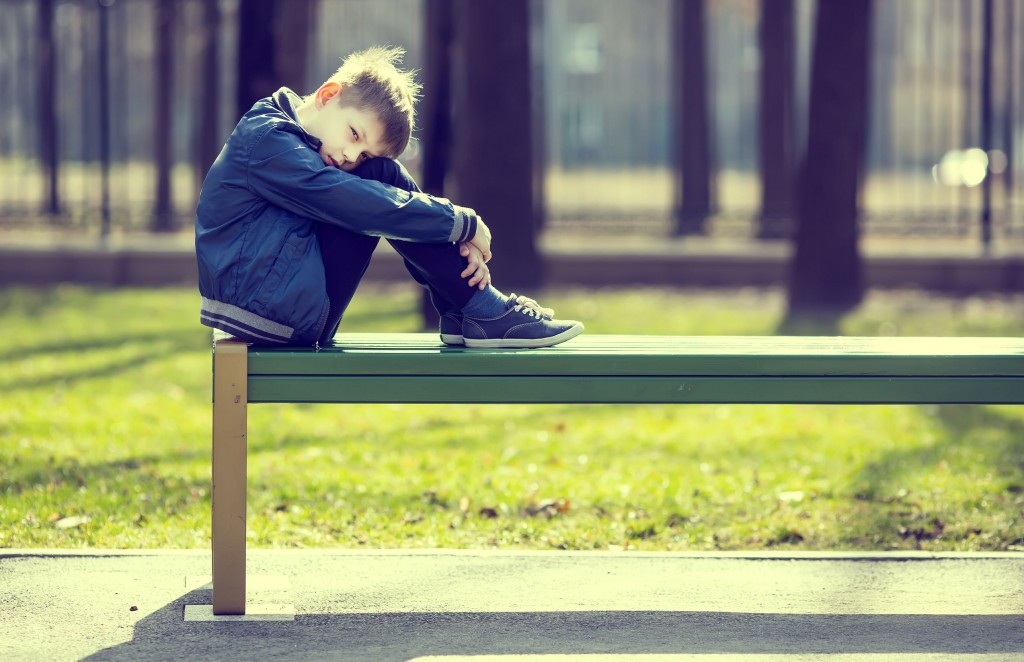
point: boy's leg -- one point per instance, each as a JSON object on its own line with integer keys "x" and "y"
{"x": 437, "y": 267}
{"x": 346, "y": 256}
{"x": 496, "y": 320}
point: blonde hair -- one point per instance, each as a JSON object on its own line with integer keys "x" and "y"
{"x": 373, "y": 82}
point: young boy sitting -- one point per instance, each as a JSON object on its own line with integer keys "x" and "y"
{"x": 292, "y": 210}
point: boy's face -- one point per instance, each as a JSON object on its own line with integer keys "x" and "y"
{"x": 349, "y": 135}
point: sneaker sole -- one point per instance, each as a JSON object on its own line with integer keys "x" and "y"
{"x": 526, "y": 343}
{"x": 452, "y": 339}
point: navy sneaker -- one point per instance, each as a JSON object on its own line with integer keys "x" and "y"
{"x": 451, "y": 322}
{"x": 451, "y": 329}
{"x": 523, "y": 325}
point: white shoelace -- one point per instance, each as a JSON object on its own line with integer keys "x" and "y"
{"x": 531, "y": 307}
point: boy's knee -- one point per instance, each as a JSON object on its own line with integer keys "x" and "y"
{"x": 388, "y": 171}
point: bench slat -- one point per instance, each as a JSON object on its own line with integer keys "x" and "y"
{"x": 653, "y": 390}
{"x": 423, "y": 354}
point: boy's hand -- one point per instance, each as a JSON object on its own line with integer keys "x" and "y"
{"x": 482, "y": 239}
{"x": 477, "y": 272}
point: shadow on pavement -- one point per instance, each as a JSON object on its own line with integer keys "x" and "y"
{"x": 404, "y": 636}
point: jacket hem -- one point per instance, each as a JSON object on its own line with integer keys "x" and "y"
{"x": 243, "y": 324}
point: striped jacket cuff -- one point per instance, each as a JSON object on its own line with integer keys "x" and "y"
{"x": 464, "y": 228}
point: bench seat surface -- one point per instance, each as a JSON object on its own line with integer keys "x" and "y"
{"x": 650, "y": 369}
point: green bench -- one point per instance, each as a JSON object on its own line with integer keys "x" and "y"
{"x": 416, "y": 368}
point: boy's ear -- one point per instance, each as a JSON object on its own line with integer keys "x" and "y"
{"x": 328, "y": 91}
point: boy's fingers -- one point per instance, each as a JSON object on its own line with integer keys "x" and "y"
{"x": 480, "y": 275}
{"x": 472, "y": 267}
{"x": 476, "y": 269}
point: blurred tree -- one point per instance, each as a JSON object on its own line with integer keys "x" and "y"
{"x": 493, "y": 132}
{"x": 435, "y": 109}
{"x": 48, "y": 99}
{"x": 208, "y": 137}
{"x": 692, "y": 144}
{"x": 825, "y": 275}
{"x": 776, "y": 119}
{"x": 103, "y": 91}
{"x": 435, "y": 131}
{"x": 163, "y": 216}
{"x": 256, "y": 76}
{"x": 986, "y": 124}
{"x": 294, "y": 22}
{"x": 273, "y": 42}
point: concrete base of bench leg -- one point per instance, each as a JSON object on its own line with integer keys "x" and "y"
{"x": 253, "y": 612}
{"x": 230, "y": 402}
{"x": 265, "y": 591}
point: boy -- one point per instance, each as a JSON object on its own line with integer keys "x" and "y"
{"x": 294, "y": 205}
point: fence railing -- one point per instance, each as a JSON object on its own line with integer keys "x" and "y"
{"x": 104, "y": 136}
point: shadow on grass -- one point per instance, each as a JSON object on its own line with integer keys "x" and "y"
{"x": 818, "y": 323}
{"x": 886, "y": 485}
{"x": 124, "y": 505}
{"x": 129, "y": 476}
{"x": 421, "y": 437}
{"x": 148, "y": 348}
{"x": 958, "y": 422}
{"x": 79, "y": 345}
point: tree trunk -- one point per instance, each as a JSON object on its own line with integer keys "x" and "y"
{"x": 293, "y": 29}
{"x": 163, "y": 217}
{"x": 48, "y": 98}
{"x": 776, "y": 119}
{"x": 256, "y": 45}
{"x": 826, "y": 270}
{"x": 273, "y": 48}
{"x": 692, "y": 147}
{"x": 493, "y": 147}
{"x": 209, "y": 135}
{"x": 103, "y": 88}
{"x": 435, "y": 113}
{"x": 986, "y": 125}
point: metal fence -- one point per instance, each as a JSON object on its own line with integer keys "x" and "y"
{"x": 603, "y": 71}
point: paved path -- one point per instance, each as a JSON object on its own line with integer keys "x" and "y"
{"x": 441, "y": 606}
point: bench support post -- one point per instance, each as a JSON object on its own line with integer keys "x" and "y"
{"x": 230, "y": 400}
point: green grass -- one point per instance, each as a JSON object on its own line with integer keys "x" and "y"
{"x": 105, "y": 426}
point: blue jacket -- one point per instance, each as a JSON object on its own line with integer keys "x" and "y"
{"x": 261, "y": 275}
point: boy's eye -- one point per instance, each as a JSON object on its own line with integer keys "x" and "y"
{"x": 355, "y": 135}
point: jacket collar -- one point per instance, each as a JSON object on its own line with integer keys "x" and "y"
{"x": 288, "y": 101}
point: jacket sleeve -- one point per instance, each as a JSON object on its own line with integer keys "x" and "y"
{"x": 286, "y": 172}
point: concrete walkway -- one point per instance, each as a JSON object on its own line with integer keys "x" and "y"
{"x": 449, "y": 606}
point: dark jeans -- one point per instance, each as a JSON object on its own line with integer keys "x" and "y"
{"x": 346, "y": 255}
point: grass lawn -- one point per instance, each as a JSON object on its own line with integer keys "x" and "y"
{"x": 105, "y": 442}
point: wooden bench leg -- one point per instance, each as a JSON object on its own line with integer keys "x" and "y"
{"x": 230, "y": 400}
